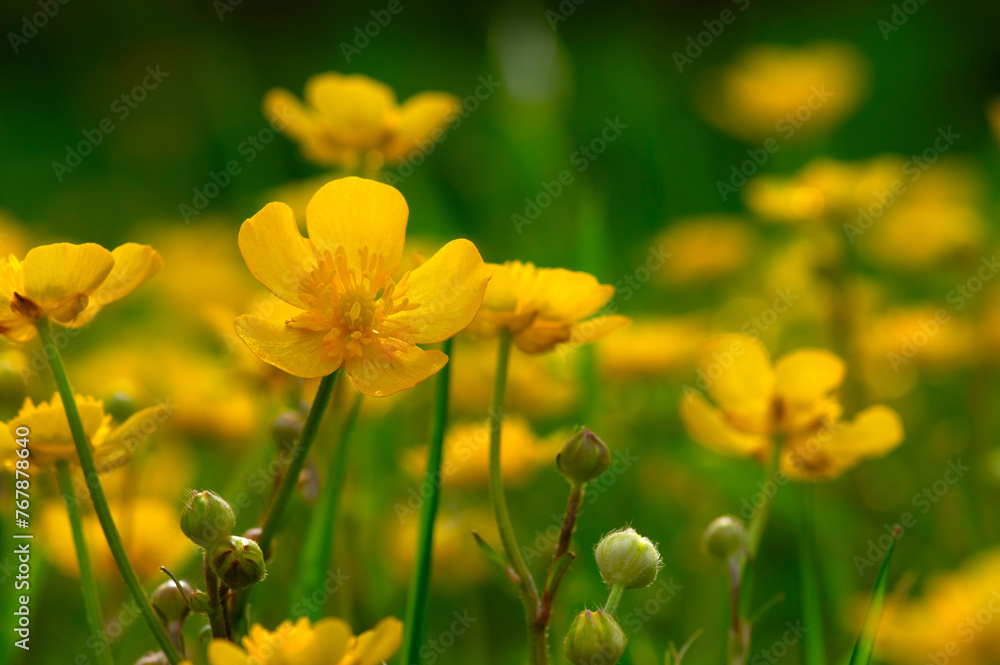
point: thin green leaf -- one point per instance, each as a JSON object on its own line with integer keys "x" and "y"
{"x": 873, "y": 617}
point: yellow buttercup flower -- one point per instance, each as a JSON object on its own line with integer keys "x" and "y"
{"x": 350, "y": 116}
{"x": 795, "y": 398}
{"x": 51, "y": 440}
{"x": 652, "y": 347}
{"x": 545, "y": 307}
{"x": 354, "y": 314}
{"x": 456, "y": 560}
{"x": 68, "y": 284}
{"x": 328, "y": 642}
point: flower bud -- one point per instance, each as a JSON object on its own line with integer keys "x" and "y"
{"x": 199, "y": 602}
{"x": 583, "y": 458}
{"x": 724, "y": 537}
{"x": 120, "y": 406}
{"x": 153, "y": 658}
{"x": 624, "y": 557}
{"x": 594, "y": 638}
{"x": 286, "y": 429}
{"x": 237, "y": 562}
{"x": 207, "y": 518}
{"x": 169, "y": 602}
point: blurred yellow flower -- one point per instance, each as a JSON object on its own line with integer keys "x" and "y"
{"x": 796, "y": 398}
{"x": 52, "y": 441}
{"x": 652, "y": 347}
{"x": 456, "y": 558}
{"x": 347, "y": 117}
{"x": 776, "y": 91}
{"x": 705, "y": 248}
{"x": 466, "y": 453}
{"x": 355, "y": 314}
{"x": 544, "y": 307}
{"x": 68, "y": 284}
{"x": 329, "y": 642}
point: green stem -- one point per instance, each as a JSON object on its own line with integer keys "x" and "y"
{"x": 318, "y": 546}
{"x": 416, "y": 603}
{"x": 526, "y": 583}
{"x": 299, "y": 455}
{"x": 614, "y": 597}
{"x": 100, "y": 502}
{"x": 811, "y": 614}
{"x": 91, "y": 599}
{"x": 216, "y": 617}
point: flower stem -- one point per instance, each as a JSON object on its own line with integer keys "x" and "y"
{"x": 216, "y": 617}
{"x": 101, "y": 508}
{"x": 525, "y": 582}
{"x": 318, "y": 546}
{"x": 416, "y": 604}
{"x": 91, "y": 599}
{"x": 811, "y": 614}
{"x": 299, "y": 455}
{"x": 562, "y": 557}
{"x": 614, "y": 597}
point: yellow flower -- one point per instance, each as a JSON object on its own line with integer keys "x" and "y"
{"x": 68, "y": 284}
{"x": 329, "y": 642}
{"x": 51, "y": 441}
{"x": 349, "y": 116}
{"x": 652, "y": 347}
{"x": 456, "y": 560}
{"x": 544, "y": 307}
{"x": 796, "y": 398}
{"x": 771, "y": 90}
{"x": 354, "y": 314}
{"x": 705, "y": 248}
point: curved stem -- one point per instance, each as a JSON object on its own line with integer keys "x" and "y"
{"x": 97, "y": 497}
{"x": 416, "y": 603}
{"x": 91, "y": 599}
{"x": 529, "y": 592}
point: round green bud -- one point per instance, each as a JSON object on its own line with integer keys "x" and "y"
{"x": 207, "y": 518}
{"x": 169, "y": 602}
{"x": 153, "y": 658}
{"x": 624, "y": 557}
{"x": 286, "y": 429}
{"x": 237, "y": 562}
{"x": 120, "y": 406}
{"x": 594, "y": 638}
{"x": 724, "y": 537}
{"x": 199, "y": 602}
{"x": 583, "y": 458}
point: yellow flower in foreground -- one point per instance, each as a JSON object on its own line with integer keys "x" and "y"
{"x": 329, "y": 642}
{"x": 796, "y": 398}
{"x": 544, "y": 307}
{"x": 68, "y": 284}
{"x": 350, "y": 116}
{"x": 354, "y": 314}
{"x": 51, "y": 440}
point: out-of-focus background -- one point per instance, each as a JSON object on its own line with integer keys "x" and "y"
{"x": 844, "y": 155}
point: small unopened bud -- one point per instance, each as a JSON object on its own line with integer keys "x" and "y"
{"x": 725, "y": 536}
{"x": 626, "y": 558}
{"x": 153, "y": 658}
{"x": 583, "y": 458}
{"x": 200, "y": 602}
{"x": 237, "y": 562}
{"x": 207, "y": 518}
{"x": 169, "y": 602}
{"x": 287, "y": 429}
{"x": 120, "y": 406}
{"x": 594, "y": 638}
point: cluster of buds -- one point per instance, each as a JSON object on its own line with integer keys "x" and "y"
{"x": 208, "y": 521}
{"x": 626, "y": 560}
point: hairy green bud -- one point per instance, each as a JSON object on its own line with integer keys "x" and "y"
{"x": 594, "y": 638}
{"x": 583, "y": 458}
{"x": 626, "y": 558}
{"x": 237, "y": 562}
{"x": 207, "y": 518}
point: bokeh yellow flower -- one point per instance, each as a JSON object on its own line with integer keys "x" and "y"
{"x": 777, "y": 91}
{"x": 348, "y": 117}
{"x": 797, "y": 398}
{"x": 68, "y": 284}
{"x": 354, "y": 314}
{"x": 545, "y": 307}
{"x": 705, "y": 248}
{"x": 51, "y": 440}
{"x": 456, "y": 558}
{"x": 329, "y": 642}
{"x": 652, "y": 347}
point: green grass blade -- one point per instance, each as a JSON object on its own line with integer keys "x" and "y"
{"x": 869, "y": 630}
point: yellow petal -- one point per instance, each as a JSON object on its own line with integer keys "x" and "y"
{"x": 419, "y": 117}
{"x": 56, "y": 273}
{"x": 448, "y": 289}
{"x": 331, "y": 638}
{"x": 874, "y": 432}
{"x": 276, "y": 253}
{"x": 594, "y": 329}
{"x": 134, "y": 264}
{"x": 356, "y": 107}
{"x": 288, "y": 114}
{"x": 359, "y": 214}
{"x": 379, "y": 644}
{"x": 706, "y": 425}
{"x": 737, "y": 371}
{"x": 830, "y": 450}
{"x": 390, "y": 366}
{"x": 568, "y": 296}
{"x": 224, "y": 652}
{"x": 298, "y": 351}
{"x": 118, "y": 446}
{"x": 542, "y": 336}
{"x": 803, "y": 381}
